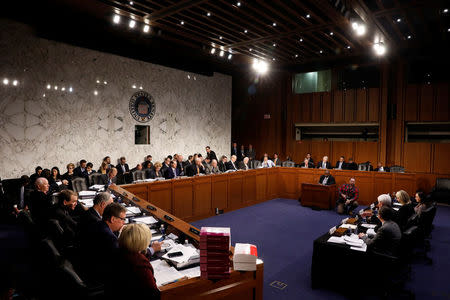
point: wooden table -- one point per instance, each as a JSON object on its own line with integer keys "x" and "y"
{"x": 318, "y": 195}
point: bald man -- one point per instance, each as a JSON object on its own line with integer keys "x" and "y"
{"x": 327, "y": 178}
{"x": 40, "y": 201}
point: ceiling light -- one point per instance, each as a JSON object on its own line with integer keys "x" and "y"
{"x": 348, "y": 47}
{"x": 408, "y": 37}
{"x": 260, "y": 66}
{"x": 361, "y": 30}
{"x": 131, "y": 3}
{"x": 274, "y": 24}
{"x": 331, "y": 33}
{"x": 182, "y": 22}
{"x": 274, "y": 44}
{"x": 399, "y": 20}
{"x": 133, "y": 86}
{"x": 273, "y": 59}
{"x": 63, "y": 89}
{"x": 116, "y": 19}
{"x": 220, "y": 37}
{"x": 49, "y": 86}
{"x": 140, "y": 87}
{"x": 213, "y": 50}
{"x": 5, "y": 81}
{"x": 320, "y": 51}
{"x": 445, "y": 10}
{"x": 98, "y": 81}
{"x": 301, "y": 40}
{"x": 250, "y": 49}
{"x": 355, "y": 25}
{"x": 132, "y": 23}
{"x": 380, "y": 48}
{"x": 245, "y": 31}
{"x": 230, "y": 56}
{"x": 238, "y": 3}
{"x": 43, "y": 95}
{"x": 189, "y": 76}
{"x": 70, "y": 89}
{"x": 15, "y": 83}
{"x": 208, "y": 14}
{"x": 296, "y": 55}
{"x": 56, "y": 87}
{"x": 448, "y": 30}
{"x": 104, "y": 82}
{"x": 146, "y": 28}
{"x": 308, "y": 16}
{"x": 221, "y": 53}
{"x": 95, "y": 93}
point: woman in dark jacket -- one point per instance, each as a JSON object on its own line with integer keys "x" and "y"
{"x": 405, "y": 211}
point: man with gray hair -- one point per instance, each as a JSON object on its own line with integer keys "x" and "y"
{"x": 231, "y": 165}
{"x": 195, "y": 169}
{"x": 383, "y": 200}
{"x": 95, "y": 213}
{"x": 40, "y": 200}
{"x": 243, "y": 165}
{"x": 213, "y": 168}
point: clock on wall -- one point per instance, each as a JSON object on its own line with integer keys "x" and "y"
{"x": 142, "y": 106}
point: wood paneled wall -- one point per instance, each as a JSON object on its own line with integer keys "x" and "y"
{"x": 274, "y": 96}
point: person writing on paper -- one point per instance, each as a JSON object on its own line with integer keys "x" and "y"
{"x": 387, "y": 238}
{"x": 132, "y": 262}
{"x": 348, "y": 197}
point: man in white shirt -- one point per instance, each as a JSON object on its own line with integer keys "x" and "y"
{"x": 267, "y": 163}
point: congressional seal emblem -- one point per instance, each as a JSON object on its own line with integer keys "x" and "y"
{"x": 142, "y": 106}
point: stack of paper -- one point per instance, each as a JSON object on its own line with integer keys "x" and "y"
{"x": 355, "y": 243}
{"x": 214, "y": 252}
{"x": 87, "y": 194}
{"x": 348, "y": 226}
{"x": 245, "y": 256}
{"x": 148, "y": 220}
{"x": 369, "y": 225}
{"x": 336, "y": 239}
{"x": 164, "y": 273}
{"x": 87, "y": 202}
{"x": 190, "y": 256}
{"x": 97, "y": 187}
{"x": 132, "y": 210}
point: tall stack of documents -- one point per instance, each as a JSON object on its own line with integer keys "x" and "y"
{"x": 214, "y": 252}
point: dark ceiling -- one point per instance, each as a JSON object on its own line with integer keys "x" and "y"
{"x": 291, "y": 34}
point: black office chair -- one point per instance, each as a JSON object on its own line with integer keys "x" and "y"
{"x": 397, "y": 169}
{"x": 79, "y": 184}
{"x": 138, "y": 175}
{"x": 95, "y": 178}
{"x": 441, "y": 190}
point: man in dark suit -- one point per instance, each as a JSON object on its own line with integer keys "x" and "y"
{"x": 195, "y": 169}
{"x": 251, "y": 152}
{"x": 351, "y": 165}
{"x": 40, "y": 201}
{"x": 210, "y": 154}
{"x": 95, "y": 213}
{"x": 67, "y": 201}
{"x": 241, "y": 153}
{"x": 123, "y": 170}
{"x": 276, "y": 160}
{"x": 223, "y": 163}
{"x": 243, "y": 165}
{"x": 180, "y": 165}
{"x": 231, "y": 165}
{"x": 148, "y": 159}
{"x": 327, "y": 178}
{"x": 234, "y": 150}
{"x": 165, "y": 166}
{"x": 213, "y": 168}
{"x": 341, "y": 164}
{"x": 172, "y": 171}
{"x": 324, "y": 164}
{"x": 80, "y": 171}
{"x": 35, "y": 176}
{"x": 309, "y": 157}
{"x": 17, "y": 193}
{"x": 381, "y": 168}
{"x": 110, "y": 178}
{"x": 307, "y": 164}
{"x": 387, "y": 238}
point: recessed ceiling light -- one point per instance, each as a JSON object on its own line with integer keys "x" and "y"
{"x": 361, "y": 30}
{"x": 221, "y": 53}
{"x": 131, "y": 2}
{"x": 380, "y": 48}
{"x": 146, "y": 28}
{"x": 63, "y": 89}
{"x": 238, "y": 3}
{"x": 274, "y": 24}
{"x": 321, "y": 51}
{"x": 213, "y": 50}
{"x": 132, "y": 23}
{"x": 408, "y": 37}
{"x": 56, "y": 87}
{"x": 445, "y": 10}
{"x": 273, "y": 58}
{"x": 189, "y": 76}
{"x": 245, "y": 31}
{"x": 331, "y": 33}
{"x": 49, "y": 86}
{"x": 296, "y": 55}
{"x": 105, "y": 82}
{"x": 448, "y": 30}
{"x": 301, "y": 40}
{"x": 98, "y": 81}
{"x": 274, "y": 44}
{"x": 116, "y": 19}
{"x": 348, "y": 47}
{"x": 230, "y": 56}
{"x": 399, "y": 20}
{"x": 308, "y": 16}
{"x": 133, "y": 86}
{"x": 70, "y": 89}
{"x": 5, "y": 81}
{"x": 140, "y": 87}
{"x": 43, "y": 95}
{"x": 220, "y": 37}
{"x": 182, "y": 22}
{"x": 208, "y": 14}
{"x": 95, "y": 93}
{"x": 250, "y": 49}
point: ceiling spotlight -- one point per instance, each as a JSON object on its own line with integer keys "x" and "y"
{"x": 43, "y": 95}
{"x": 408, "y": 37}
{"x": 140, "y": 87}
{"x": 360, "y": 29}
{"x": 331, "y": 33}
{"x": 15, "y": 83}
{"x": 131, "y": 3}
{"x": 133, "y": 86}
{"x": 189, "y": 76}
{"x": 296, "y": 55}
{"x": 308, "y": 16}
{"x": 213, "y": 50}
{"x": 63, "y": 89}
{"x": 399, "y": 20}
{"x": 445, "y": 10}
{"x": 230, "y": 56}
{"x": 260, "y": 66}
{"x": 348, "y": 47}
{"x": 238, "y": 3}
{"x": 250, "y": 49}
{"x": 301, "y": 40}
{"x": 274, "y": 24}
{"x": 220, "y": 37}
{"x": 5, "y": 81}
{"x": 132, "y": 23}
{"x": 56, "y": 87}
{"x": 49, "y": 86}
{"x": 273, "y": 58}
{"x": 245, "y": 31}
{"x": 105, "y": 83}
{"x": 70, "y": 89}
{"x": 448, "y": 30}
{"x": 182, "y": 22}
{"x": 116, "y": 19}
{"x": 95, "y": 93}
{"x": 380, "y": 48}
{"x": 146, "y": 28}
{"x": 221, "y": 53}
{"x": 98, "y": 81}
{"x": 208, "y": 14}
{"x": 320, "y": 51}
{"x": 274, "y": 44}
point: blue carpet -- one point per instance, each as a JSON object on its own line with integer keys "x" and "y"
{"x": 284, "y": 232}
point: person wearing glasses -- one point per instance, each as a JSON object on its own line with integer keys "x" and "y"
{"x": 132, "y": 261}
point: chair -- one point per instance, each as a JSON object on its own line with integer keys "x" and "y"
{"x": 441, "y": 191}
{"x": 397, "y": 169}
{"x": 79, "y": 184}
{"x": 138, "y": 175}
{"x": 94, "y": 178}
{"x": 365, "y": 166}
{"x": 255, "y": 164}
{"x": 288, "y": 163}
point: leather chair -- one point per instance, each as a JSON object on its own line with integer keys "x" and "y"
{"x": 365, "y": 166}
{"x": 441, "y": 191}
{"x": 79, "y": 184}
{"x": 288, "y": 163}
{"x": 256, "y": 164}
{"x": 138, "y": 175}
{"x": 397, "y": 169}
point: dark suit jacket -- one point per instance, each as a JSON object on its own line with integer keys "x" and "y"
{"x": 78, "y": 173}
{"x": 104, "y": 179}
{"x": 351, "y": 166}
{"x": 222, "y": 166}
{"x": 151, "y": 173}
{"x": 170, "y": 174}
{"x": 191, "y": 170}
{"x": 277, "y": 162}
{"x": 319, "y": 165}
{"x": 310, "y": 165}
{"x": 164, "y": 169}
{"x": 234, "y": 151}
{"x": 240, "y": 155}
{"x": 242, "y": 166}
{"x": 180, "y": 167}
{"x": 344, "y": 164}
{"x": 387, "y": 239}
{"x": 119, "y": 169}
{"x": 251, "y": 154}
{"x": 330, "y": 180}
{"x": 403, "y": 214}
{"x": 69, "y": 178}
{"x": 89, "y": 217}
{"x": 211, "y": 155}
{"x": 60, "y": 213}
{"x": 40, "y": 205}
{"x": 230, "y": 165}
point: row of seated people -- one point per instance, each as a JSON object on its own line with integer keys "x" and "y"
{"x": 96, "y": 241}
{"x": 341, "y": 164}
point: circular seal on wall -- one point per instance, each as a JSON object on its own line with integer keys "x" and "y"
{"x": 142, "y": 106}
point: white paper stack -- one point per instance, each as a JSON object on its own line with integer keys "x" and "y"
{"x": 148, "y": 220}
{"x": 87, "y": 202}
{"x": 355, "y": 243}
{"x": 190, "y": 256}
{"x": 97, "y": 187}
{"x": 347, "y": 226}
{"x": 336, "y": 239}
{"x": 164, "y": 273}
{"x": 245, "y": 256}
{"x": 87, "y": 194}
{"x": 132, "y": 210}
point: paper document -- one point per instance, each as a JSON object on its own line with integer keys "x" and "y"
{"x": 97, "y": 187}
{"x": 363, "y": 248}
{"x": 146, "y": 220}
{"x": 87, "y": 193}
{"x": 348, "y": 226}
{"x": 396, "y": 208}
{"x": 133, "y": 210}
{"x": 87, "y": 202}
{"x": 369, "y": 225}
{"x": 164, "y": 273}
{"x": 188, "y": 254}
{"x": 337, "y": 240}
{"x": 191, "y": 272}
{"x": 156, "y": 237}
{"x": 168, "y": 244}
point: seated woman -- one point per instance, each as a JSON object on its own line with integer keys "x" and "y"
{"x": 56, "y": 178}
{"x": 424, "y": 202}
{"x": 138, "y": 281}
{"x": 405, "y": 211}
{"x": 69, "y": 175}
{"x": 103, "y": 168}
{"x": 154, "y": 173}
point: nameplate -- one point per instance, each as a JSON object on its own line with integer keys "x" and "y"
{"x": 151, "y": 207}
{"x": 136, "y": 199}
{"x": 332, "y": 230}
{"x": 167, "y": 217}
{"x": 194, "y": 231}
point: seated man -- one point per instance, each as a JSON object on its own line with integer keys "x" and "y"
{"x": 348, "y": 197}
{"x": 267, "y": 163}
{"x": 223, "y": 163}
{"x": 309, "y": 158}
{"x": 387, "y": 238}
{"x": 94, "y": 214}
{"x": 40, "y": 201}
{"x": 383, "y": 200}
{"x": 381, "y": 168}
{"x": 172, "y": 171}
{"x": 195, "y": 169}
{"x": 80, "y": 171}
{"x": 327, "y": 178}
{"x": 276, "y": 160}
{"x": 340, "y": 164}
{"x": 351, "y": 165}
{"x": 307, "y": 164}
{"x": 231, "y": 165}
{"x": 324, "y": 164}
{"x": 67, "y": 201}
{"x": 243, "y": 165}
{"x": 213, "y": 168}
{"x": 110, "y": 178}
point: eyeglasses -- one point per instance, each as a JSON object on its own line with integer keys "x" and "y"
{"x": 123, "y": 219}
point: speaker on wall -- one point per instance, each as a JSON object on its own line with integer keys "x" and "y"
{"x": 298, "y": 134}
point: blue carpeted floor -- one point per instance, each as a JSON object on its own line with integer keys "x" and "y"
{"x": 284, "y": 232}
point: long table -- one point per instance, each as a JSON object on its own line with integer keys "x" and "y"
{"x": 195, "y": 198}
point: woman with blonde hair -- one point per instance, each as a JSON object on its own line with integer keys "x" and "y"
{"x": 69, "y": 175}
{"x": 103, "y": 168}
{"x": 406, "y": 210}
{"x": 133, "y": 266}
